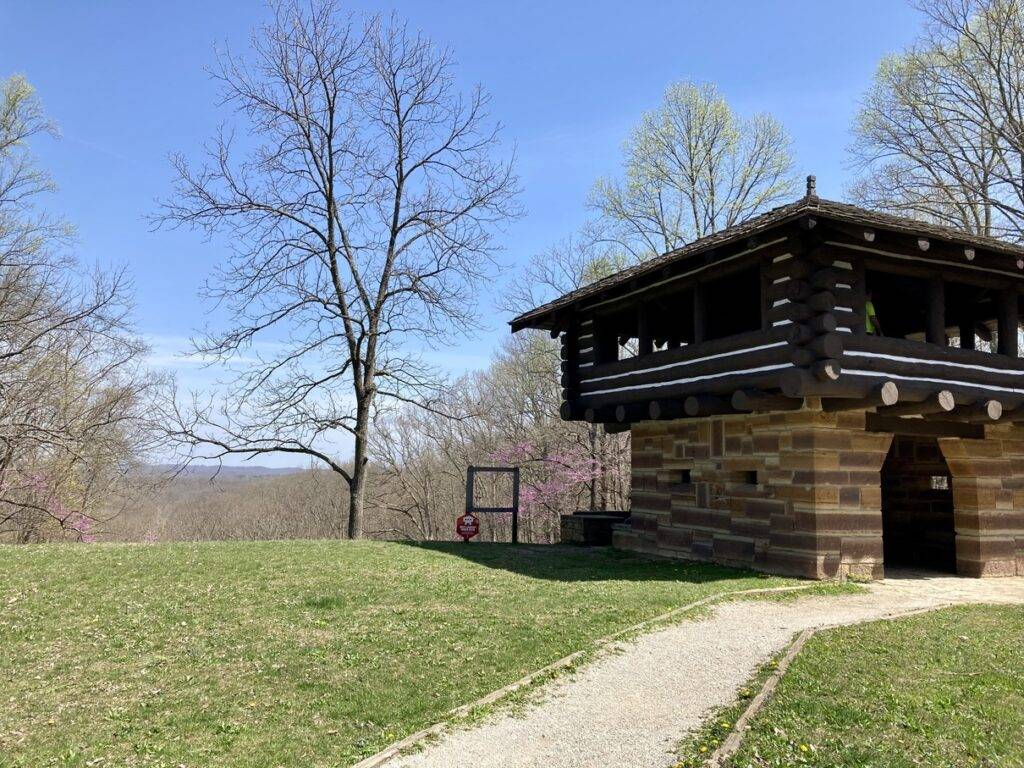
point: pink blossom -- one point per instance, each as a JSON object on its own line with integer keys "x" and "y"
{"x": 82, "y": 526}
{"x": 550, "y": 481}
{"x": 46, "y": 496}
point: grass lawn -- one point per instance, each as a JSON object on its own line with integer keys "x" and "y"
{"x": 941, "y": 689}
{"x": 292, "y": 653}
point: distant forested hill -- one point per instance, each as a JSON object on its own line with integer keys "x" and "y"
{"x": 208, "y": 471}
{"x": 203, "y": 503}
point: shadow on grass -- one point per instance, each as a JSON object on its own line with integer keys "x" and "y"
{"x": 560, "y": 562}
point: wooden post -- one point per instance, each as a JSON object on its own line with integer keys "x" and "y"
{"x": 966, "y": 331}
{"x": 571, "y": 355}
{"x": 699, "y": 314}
{"x": 645, "y": 344}
{"x": 941, "y": 401}
{"x": 756, "y": 400}
{"x": 665, "y": 409}
{"x": 884, "y": 394}
{"x": 626, "y": 414}
{"x": 1008, "y": 323}
{"x": 935, "y": 332}
{"x": 979, "y": 412}
{"x": 515, "y": 505}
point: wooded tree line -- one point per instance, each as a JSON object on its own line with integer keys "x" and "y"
{"x": 509, "y": 417}
{"x": 940, "y": 135}
{"x": 364, "y": 214}
{"x": 73, "y": 387}
{"x": 247, "y": 506}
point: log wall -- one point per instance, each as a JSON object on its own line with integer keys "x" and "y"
{"x": 917, "y": 364}
{"x": 715, "y": 366}
{"x": 815, "y": 273}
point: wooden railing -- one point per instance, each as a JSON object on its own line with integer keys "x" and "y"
{"x": 722, "y": 365}
{"x": 923, "y": 365}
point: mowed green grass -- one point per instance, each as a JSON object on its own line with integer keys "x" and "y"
{"x": 292, "y": 653}
{"x": 942, "y": 689}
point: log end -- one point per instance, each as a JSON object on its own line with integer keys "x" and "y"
{"x": 889, "y": 394}
{"x": 945, "y": 400}
{"x": 829, "y": 346}
{"x": 793, "y": 382}
{"x": 798, "y": 334}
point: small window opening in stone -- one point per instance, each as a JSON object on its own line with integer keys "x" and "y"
{"x": 750, "y": 478}
{"x": 940, "y": 483}
{"x": 684, "y": 477}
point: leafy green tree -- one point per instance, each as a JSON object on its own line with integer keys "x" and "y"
{"x": 940, "y": 135}
{"x": 692, "y": 167}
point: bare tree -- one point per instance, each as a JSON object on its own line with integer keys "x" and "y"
{"x": 360, "y": 227}
{"x": 72, "y": 386}
{"x": 693, "y": 167}
{"x": 564, "y": 267}
{"x": 940, "y": 135}
{"x": 571, "y": 263}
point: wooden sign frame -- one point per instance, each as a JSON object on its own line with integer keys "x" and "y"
{"x": 471, "y": 473}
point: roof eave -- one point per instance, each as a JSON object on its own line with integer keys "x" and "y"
{"x": 543, "y": 317}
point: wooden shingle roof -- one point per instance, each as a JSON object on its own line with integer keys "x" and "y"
{"x": 542, "y": 316}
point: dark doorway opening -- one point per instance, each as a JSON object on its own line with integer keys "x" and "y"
{"x": 917, "y": 506}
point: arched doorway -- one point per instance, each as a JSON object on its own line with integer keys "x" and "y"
{"x": 917, "y": 506}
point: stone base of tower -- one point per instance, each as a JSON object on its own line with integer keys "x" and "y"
{"x": 800, "y": 493}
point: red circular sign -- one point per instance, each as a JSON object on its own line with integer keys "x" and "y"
{"x": 467, "y": 526}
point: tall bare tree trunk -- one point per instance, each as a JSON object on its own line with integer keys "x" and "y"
{"x": 360, "y": 461}
{"x": 362, "y": 221}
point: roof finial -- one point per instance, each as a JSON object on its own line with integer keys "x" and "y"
{"x": 812, "y": 186}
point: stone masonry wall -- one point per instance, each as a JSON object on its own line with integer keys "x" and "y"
{"x": 800, "y": 493}
{"x": 988, "y": 501}
{"x": 792, "y": 492}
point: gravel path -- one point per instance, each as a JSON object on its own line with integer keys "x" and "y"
{"x": 631, "y": 706}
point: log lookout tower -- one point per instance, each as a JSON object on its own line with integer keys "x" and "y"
{"x": 819, "y": 391}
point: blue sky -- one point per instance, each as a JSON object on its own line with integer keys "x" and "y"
{"x": 126, "y": 83}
